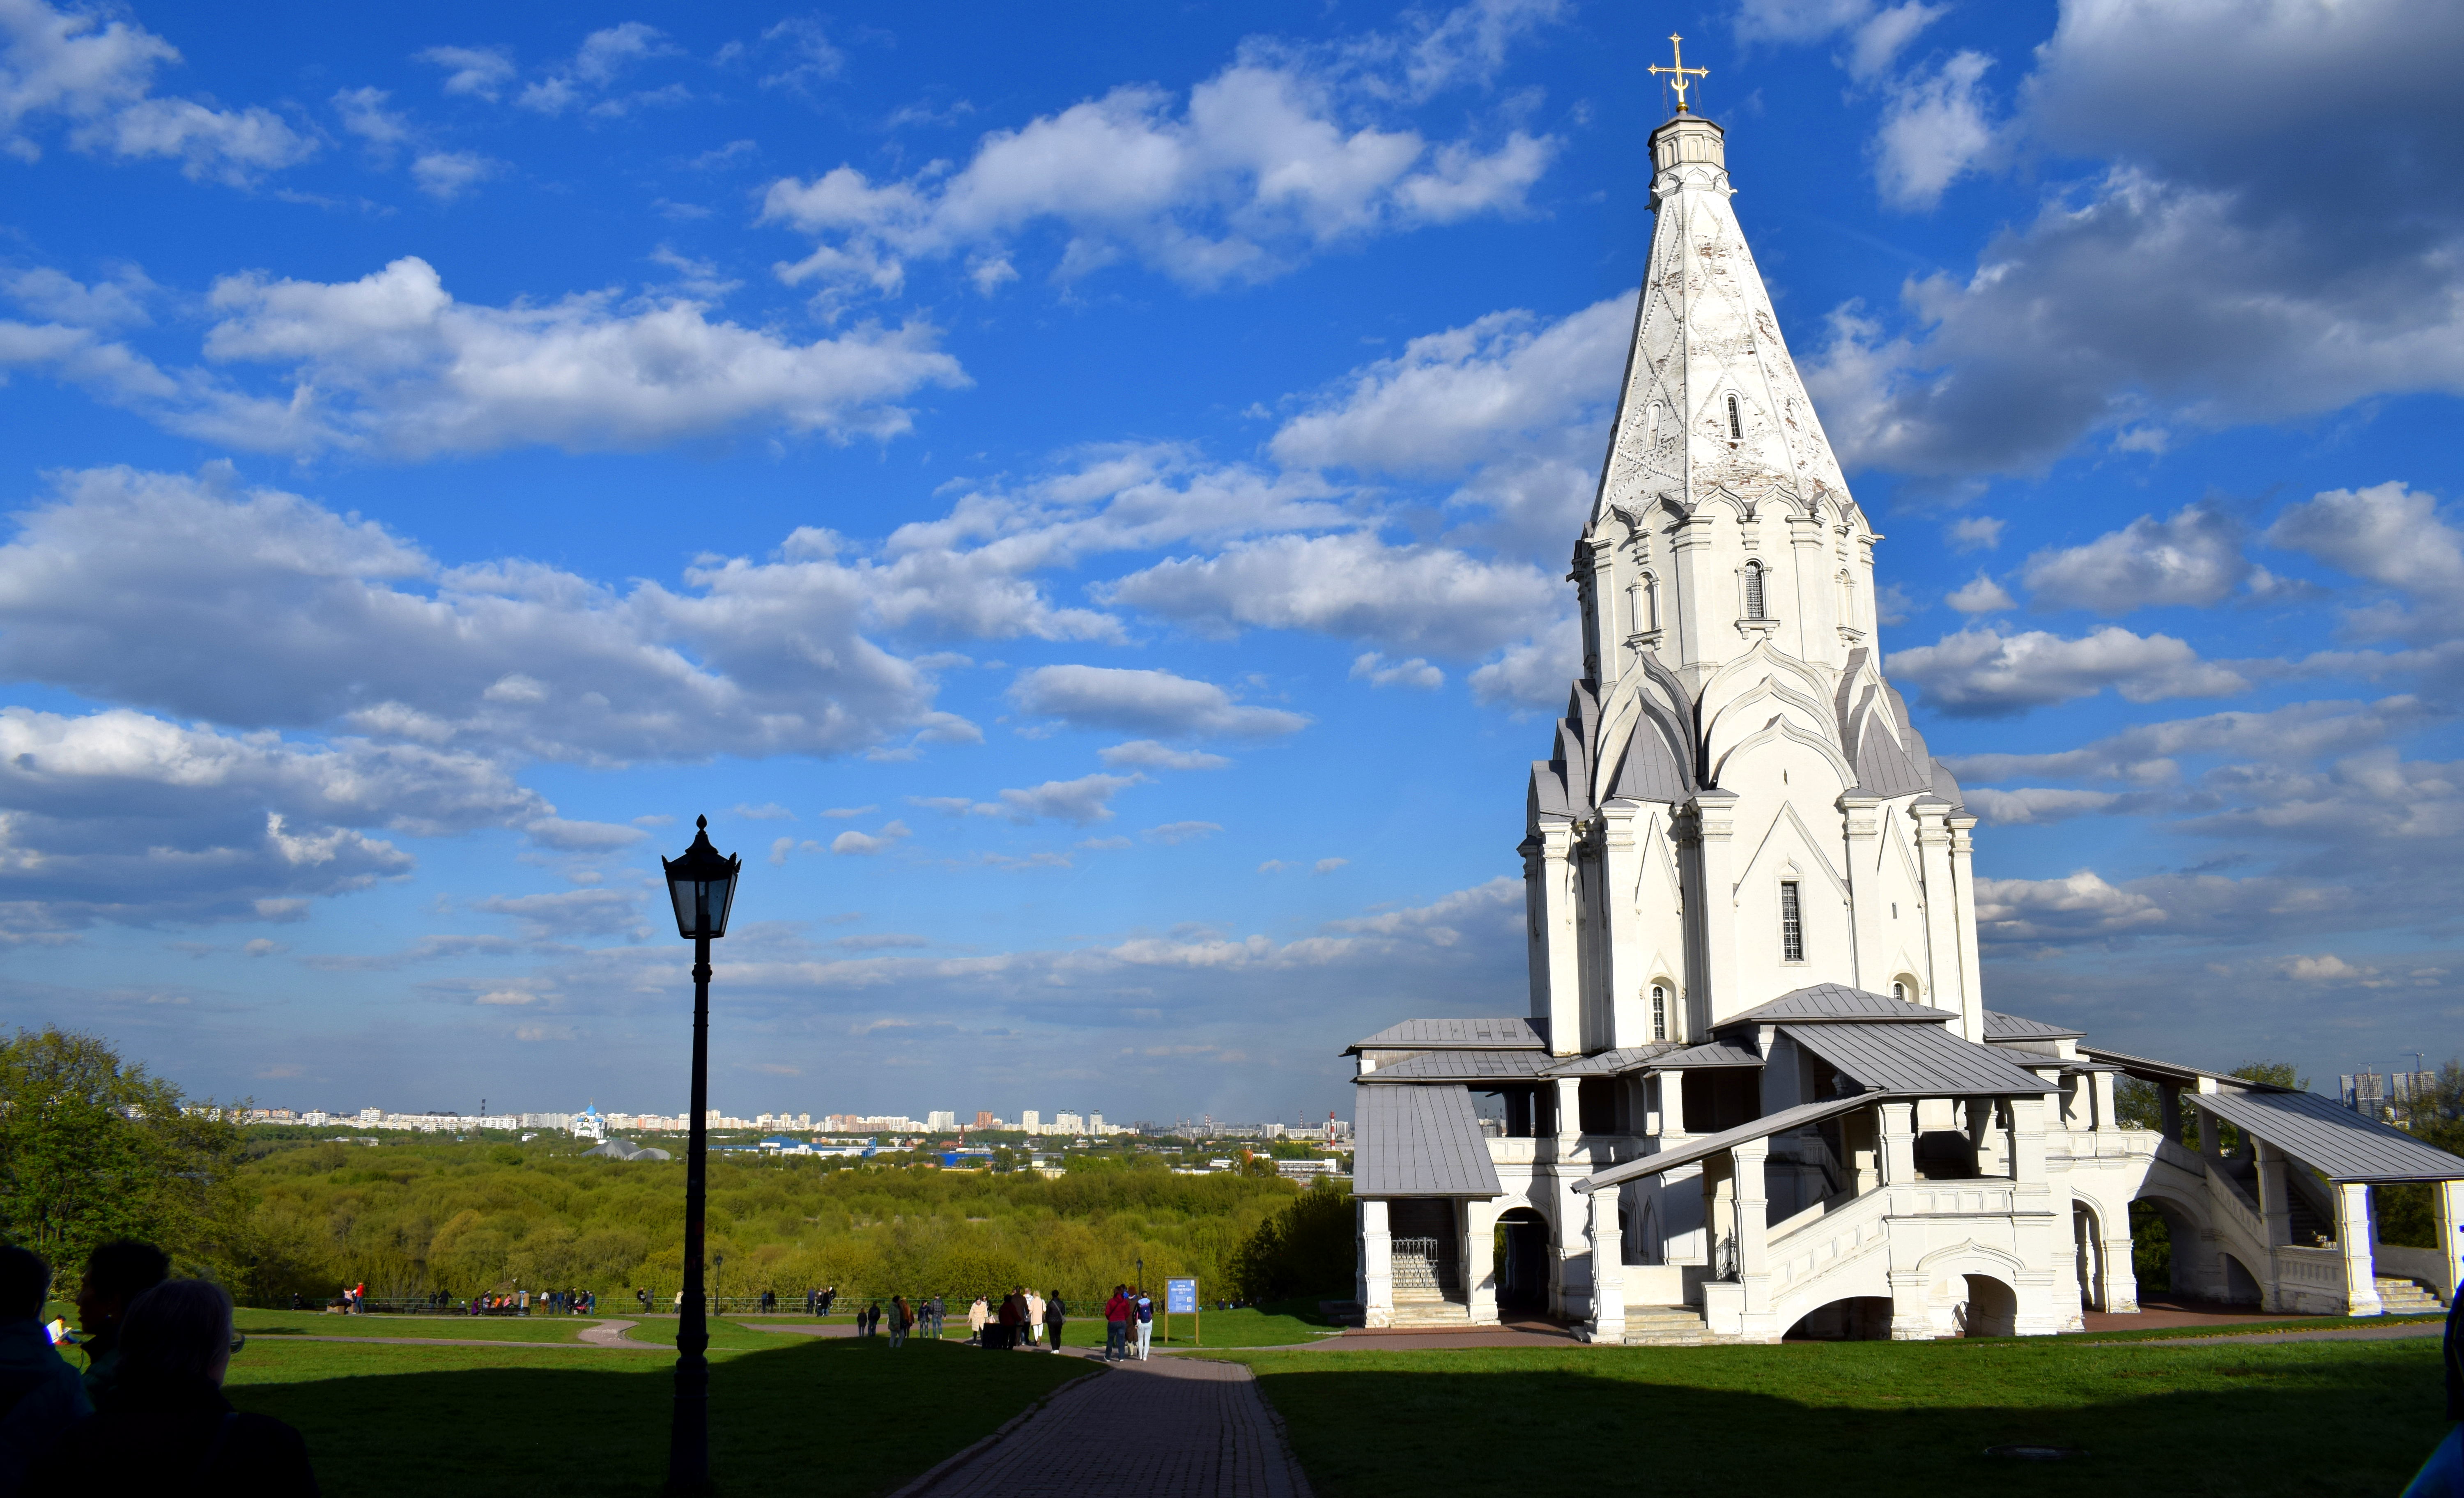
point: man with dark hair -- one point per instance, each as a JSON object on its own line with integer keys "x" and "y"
{"x": 115, "y": 1274}
{"x": 39, "y": 1391}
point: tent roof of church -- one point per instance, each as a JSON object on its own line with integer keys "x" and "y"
{"x": 1507, "y": 1033}
{"x": 1420, "y": 1141}
{"x": 1463, "y": 1066}
{"x": 2330, "y": 1139}
{"x": 1915, "y": 1060}
{"x": 1835, "y": 1003}
{"x": 1999, "y": 1026}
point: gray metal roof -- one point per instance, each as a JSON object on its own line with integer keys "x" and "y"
{"x": 1463, "y": 1066}
{"x": 2173, "y": 1072}
{"x": 1508, "y": 1033}
{"x": 1614, "y": 1062}
{"x": 1710, "y": 1144}
{"x": 1915, "y": 1060}
{"x": 1711, "y": 1053}
{"x": 2333, "y": 1140}
{"x": 1830, "y": 1003}
{"x": 2000, "y": 1027}
{"x": 1420, "y": 1141}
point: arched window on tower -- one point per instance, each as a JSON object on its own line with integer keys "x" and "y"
{"x": 1736, "y": 422}
{"x": 1642, "y": 605}
{"x": 1847, "y": 602}
{"x": 1659, "y": 1011}
{"x": 1754, "y": 591}
{"x": 1900, "y": 991}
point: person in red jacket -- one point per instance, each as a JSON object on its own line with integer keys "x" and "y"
{"x": 1117, "y": 1313}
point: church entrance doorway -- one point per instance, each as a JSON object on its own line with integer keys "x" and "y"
{"x": 1522, "y": 1261}
{"x": 2087, "y": 1247}
{"x": 1991, "y": 1308}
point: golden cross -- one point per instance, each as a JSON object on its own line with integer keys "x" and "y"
{"x": 1681, "y": 71}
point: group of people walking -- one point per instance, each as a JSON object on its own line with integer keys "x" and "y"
{"x": 149, "y": 1415}
{"x": 1024, "y": 1318}
{"x": 923, "y": 1318}
{"x": 1129, "y": 1317}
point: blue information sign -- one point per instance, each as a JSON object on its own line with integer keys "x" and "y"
{"x": 1180, "y": 1296}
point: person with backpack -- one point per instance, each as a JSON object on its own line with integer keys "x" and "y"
{"x": 1056, "y": 1315}
{"x": 1117, "y": 1313}
{"x": 40, "y": 1393}
{"x": 900, "y": 1319}
{"x": 166, "y": 1427}
{"x": 1145, "y": 1324}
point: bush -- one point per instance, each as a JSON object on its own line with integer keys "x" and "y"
{"x": 1303, "y": 1251}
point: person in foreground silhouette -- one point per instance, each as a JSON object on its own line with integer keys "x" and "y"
{"x": 165, "y": 1426}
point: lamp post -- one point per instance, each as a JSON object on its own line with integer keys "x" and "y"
{"x": 702, "y": 884}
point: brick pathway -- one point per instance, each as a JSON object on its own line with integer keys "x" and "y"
{"x": 1173, "y": 1427}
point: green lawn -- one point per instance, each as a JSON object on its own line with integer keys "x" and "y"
{"x": 488, "y": 1329}
{"x": 1854, "y": 1418}
{"x": 800, "y": 1415}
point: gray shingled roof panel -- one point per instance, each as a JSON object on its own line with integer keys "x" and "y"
{"x": 1999, "y": 1026}
{"x": 1712, "y": 1053}
{"x": 1614, "y": 1062}
{"x": 1507, "y": 1033}
{"x": 2334, "y": 1140}
{"x": 1827, "y": 1003}
{"x": 2173, "y": 1072}
{"x": 1710, "y": 1144}
{"x": 1915, "y": 1060}
{"x": 1464, "y": 1065}
{"x": 1420, "y": 1141}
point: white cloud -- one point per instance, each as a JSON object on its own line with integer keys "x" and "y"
{"x": 118, "y": 588}
{"x": 587, "y": 80}
{"x": 2082, "y": 905}
{"x": 1936, "y": 128}
{"x": 583, "y": 837}
{"x": 1081, "y": 800}
{"x": 364, "y": 114}
{"x": 447, "y": 175}
{"x": 1400, "y": 598}
{"x": 1178, "y": 832}
{"x": 1328, "y": 866}
{"x": 768, "y": 811}
{"x": 2036, "y": 806}
{"x": 852, "y": 841}
{"x": 1976, "y": 533}
{"x": 480, "y": 72}
{"x": 2192, "y": 558}
{"x": 1272, "y": 159}
{"x": 1980, "y": 595}
{"x": 796, "y": 53}
{"x": 569, "y": 912}
{"x": 1379, "y": 672}
{"x": 95, "y": 76}
{"x": 2147, "y": 754}
{"x": 1146, "y": 754}
{"x": 1155, "y": 702}
{"x": 393, "y": 364}
{"x": 2390, "y": 535}
{"x": 54, "y": 298}
{"x": 844, "y": 812}
{"x": 1983, "y": 672}
{"x": 2324, "y": 968}
{"x": 1534, "y": 675}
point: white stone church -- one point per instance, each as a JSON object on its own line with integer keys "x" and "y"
{"x": 1758, "y": 1091}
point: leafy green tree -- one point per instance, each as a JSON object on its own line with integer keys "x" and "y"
{"x": 94, "y": 1147}
{"x": 1304, "y": 1249}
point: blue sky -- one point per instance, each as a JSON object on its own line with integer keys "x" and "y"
{"x": 1080, "y": 504}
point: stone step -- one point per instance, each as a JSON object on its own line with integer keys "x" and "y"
{"x": 2404, "y": 1297}
{"x": 1666, "y": 1326}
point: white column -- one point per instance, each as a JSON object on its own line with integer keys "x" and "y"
{"x": 1624, "y": 987}
{"x": 1963, "y": 884}
{"x": 1753, "y": 1207}
{"x": 1866, "y": 902}
{"x": 2106, "y": 1116}
{"x": 1941, "y": 911}
{"x": 1606, "y": 1325}
{"x": 2120, "y": 1279}
{"x": 2273, "y": 1203}
{"x": 1714, "y": 815}
{"x": 1898, "y": 1153}
{"x": 1558, "y": 937}
{"x": 2353, "y": 1237}
{"x": 1479, "y": 1261}
{"x": 1377, "y": 1265}
{"x": 2449, "y": 1199}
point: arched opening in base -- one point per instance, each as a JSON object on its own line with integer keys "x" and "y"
{"x": 1860, "y": 1318}
{"x": 1522, "y": 1250}
{"x": 2087, "y": 1247}
{"x": 2241, "y": 1287}
{"x": 1991, "y": 1308}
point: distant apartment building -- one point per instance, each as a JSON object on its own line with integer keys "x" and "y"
{"x": 940, "y": 1118}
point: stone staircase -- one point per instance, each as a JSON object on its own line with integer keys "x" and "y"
{"x": 1667, "y": 1326}
{"x": 2402, "y": 1297}
{"x": 1422, "y": 1286}
{"x": 2309, "y": 1229}
{"x": 1428, "y": 1307}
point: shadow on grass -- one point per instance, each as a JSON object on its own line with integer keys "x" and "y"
{"x": 811, "y": 1417}
{"x": 2348, "y": 1418}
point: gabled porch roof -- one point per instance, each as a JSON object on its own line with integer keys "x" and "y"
{"x": 2337, "y": 1142}
{"x": 1710, "y": 1144}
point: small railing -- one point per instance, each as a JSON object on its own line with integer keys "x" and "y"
{"x": 1415, "y": 1263}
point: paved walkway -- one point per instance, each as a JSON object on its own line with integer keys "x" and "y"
{"x": 1172, "y": 1427}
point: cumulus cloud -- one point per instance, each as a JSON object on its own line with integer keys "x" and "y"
{"x": 1936, "y": 128}
{"x": 1081, "y": 800}
{"x": 1178, "y": 832}
{"x": 1278, "y": 156}
{"x": 2034, "y": 805}
{"x": 72, "y": 70}
{"x": 1980, "y": 595}
{"x": 481, "y": 72}
{"x": 583, "y": 837}
{"x": 2390, "y": 535}
{"x": 2192, "y": 557}
{"x": 1983, "y": 672}
{"x": 2150, "y": 754}
{"x": 1355, "y": 585}
{"x": 852, "y": 841}
{"x": 2082, "y": 905}
{"x": 1146, "y": 754}
{"x": 569, "y": 912}
{"x": 1155, "y": 702}
{"x": 1379, "y": 672}
{"x": 1976, "y": 533}
{"x": 589, "y": 80}
{"x": 120, "y": 816}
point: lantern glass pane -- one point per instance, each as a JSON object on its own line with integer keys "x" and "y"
{"x": 681, "y": 892}
{"x": 722, "y": 896}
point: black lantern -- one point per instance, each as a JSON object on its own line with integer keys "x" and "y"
{"x": 702, "y": 885}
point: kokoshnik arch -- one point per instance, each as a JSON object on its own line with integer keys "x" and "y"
{"x": 1758, "y": 1088}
